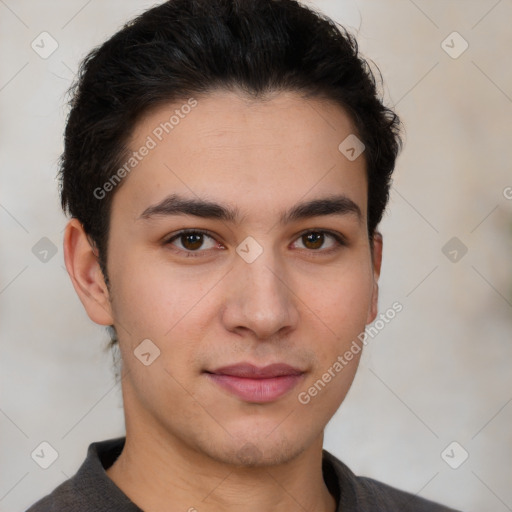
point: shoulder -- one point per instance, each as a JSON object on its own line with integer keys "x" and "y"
{"x": 63, "y": 497}
{"x": 382, "y": 497}
{"x": 90, "y": 489}
{"x": 364, "y": 494}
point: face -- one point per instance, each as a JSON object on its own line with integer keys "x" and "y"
{"x": 238, "y": 246}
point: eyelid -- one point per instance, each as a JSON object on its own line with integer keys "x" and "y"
{"x": 335, "y": 234}
{"x": 187, "y": 231}
{"x": 169, "y": 239}
{"x": 339, "y": 238}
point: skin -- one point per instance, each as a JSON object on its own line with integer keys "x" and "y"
{"x": 190, "y": 443}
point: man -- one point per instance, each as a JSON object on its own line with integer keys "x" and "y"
{"x": 226, "y": 165}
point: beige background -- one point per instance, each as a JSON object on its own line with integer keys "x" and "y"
{"x": 439, "y": 372}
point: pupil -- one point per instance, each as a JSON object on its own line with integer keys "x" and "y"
{"x": 193, "y": 241}
{"x": 314, "y": 240}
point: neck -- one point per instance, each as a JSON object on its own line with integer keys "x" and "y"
{"x": 158, "y": 472}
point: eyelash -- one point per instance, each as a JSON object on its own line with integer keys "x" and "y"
{"x": 338, "y": 237}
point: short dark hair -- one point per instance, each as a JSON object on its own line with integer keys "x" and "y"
{"x": 191, "y": 47}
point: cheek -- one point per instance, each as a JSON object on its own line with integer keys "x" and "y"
{"x": 339, "y": 306}
{"x": 339, "y": 311}
{"x": 341, "y": 300}
{"x": 152, "y": 300}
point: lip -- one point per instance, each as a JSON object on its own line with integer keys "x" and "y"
{"x": 257, "y": 384}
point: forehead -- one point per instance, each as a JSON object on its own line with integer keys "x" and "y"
{"x": 250, "y": 152}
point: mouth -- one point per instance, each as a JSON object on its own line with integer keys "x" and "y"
{"x": 254, "y": 384}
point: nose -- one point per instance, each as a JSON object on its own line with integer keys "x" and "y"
{"x": 260, "y": 299}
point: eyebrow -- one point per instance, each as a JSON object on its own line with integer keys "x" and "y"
{"x": 175, "y": 204}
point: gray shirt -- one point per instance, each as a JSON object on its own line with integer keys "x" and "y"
{"x": 91, "y": 490}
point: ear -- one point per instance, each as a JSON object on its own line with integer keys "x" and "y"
{"x": 376, "y": 248}
{"x": 86, "y": 275}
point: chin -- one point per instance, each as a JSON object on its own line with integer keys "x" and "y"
{"x": 257, "y": 449}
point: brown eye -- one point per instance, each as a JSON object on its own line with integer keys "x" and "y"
{"x": 313, "y": 240}
{"x": 192, "y": 241}
{"x": 320, "y": 241}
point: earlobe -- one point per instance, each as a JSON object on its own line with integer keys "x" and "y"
{"x": 85, "y": 273}
{"x": 376, "y": 249}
